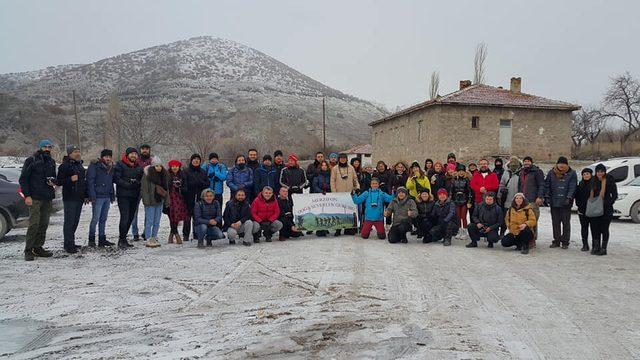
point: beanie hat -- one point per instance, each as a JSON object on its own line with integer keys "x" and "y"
{"x": 44, "y": 143}
{"x": 461, "y": 167}
{"x": 587, "y": 170}
{"x": 415, "y": 163}
{"x": 145, "y": 146}
{"x": 213, "y": 155}
{"x": 267, "y": 157}
{"x": 451, "y": 155}
{"x": 71, "y": 148}
{"x": 402, "y": 189}
{"x": 293, "y": 157}
{"x": 333, "y": 156}
{"x": 601, "y": 167}
{"x": 499, "y": 160}
{"x": 195, "y": 156}
{"x": 131, "y": 150}
{"x": 277, "y": 153}
{"x": 451, "y": 167}
{"x": 106, "y": 152}
{"x": 173, "y": 163}
{"x": 528, "y": 158}
{"x": 342, "y": 155}
{"x": 443, "y": 192}
{"x": 156, "y": 161}
{"x": 562, "y": 160}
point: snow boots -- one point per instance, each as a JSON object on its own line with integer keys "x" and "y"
{"x": 102, "y": 241}
{"x": 152, "y": 243}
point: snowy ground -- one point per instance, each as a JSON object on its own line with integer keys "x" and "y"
{"x": 321, "y": 298}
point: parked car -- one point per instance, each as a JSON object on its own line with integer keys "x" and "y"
{"x": 12, "y": 207}
{"x": 628, "y": 204}
{"x": 623, "y": 169}
{"x": 12, "y": 174}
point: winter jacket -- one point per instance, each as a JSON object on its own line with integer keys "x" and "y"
{"x": 100, "y": 181}
{"x": 143, "y": 161}
{"x": 344, "y": 179}
{"x": 253, "y": 164}
{"x": 195, "y": 180}
{"x": 236, "y": 211}
{"x": 490, "y": 182}
{"x": 384, "y": 178}
{"x": 397, "y": 180}
{"x": 610, "y": 192}
{"x": 488, "y": 215}
{"x": 373, "y": 201}
{"x": 217, "y": 174}
{"x": 321, "y": 183}
{"x": 516, "y": 217}
{"x": 399, "y": 209}
{"x": 37, "y": 170}
{"x": 148, "y": 191}
{"x": 460, "y": 191}
{"x": 203, "y": 212}
{"x": 263, "y": 210}
{"x": 286, "y": 209}
{"x": 499, "y": 171}
{"x": 531, "y": 183}
{"x": 294, "y": 179}
{"x": 559, "y": 188}
{"x": 415, "y": 185}
{"x": 445, "y": 211}
{"x": 265, "y": 176}
{"x": 313, "y": 170}
{"x": 128, "y": 178}
{"x": 72, "y": 191}
{"x": 364, "y": 179}
{"x": 425, "y": 208}
{"x": 508, "y": 188}
{"x": 238, "y": 178}
{"x": 583, "y": 191}
{"x": 438, "y": 181}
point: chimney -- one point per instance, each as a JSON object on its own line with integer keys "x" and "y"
{"x": 464, "y": 84}
{"x": 516, "y": 85}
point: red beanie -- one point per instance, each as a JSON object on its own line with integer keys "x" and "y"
{"x": 443, "y": 191}
{"x": 173, "y": 163}
{"x": 293, "y": 157}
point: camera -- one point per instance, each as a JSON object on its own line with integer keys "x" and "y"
{"x": 375, "y": 204}
{"x": 344, "y": 177}
{"x": 177, "y": 183}
{"x": 51, "y": 180}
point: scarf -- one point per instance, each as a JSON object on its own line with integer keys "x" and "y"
{"x": 559, "y": 173}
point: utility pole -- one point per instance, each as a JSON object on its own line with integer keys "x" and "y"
{"x": 324, "y": 128}
{"x": 75, "y": 110}
{"x": 65, "y": 139}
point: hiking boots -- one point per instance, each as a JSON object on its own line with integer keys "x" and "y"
{"x": 102, "y": 241}
{"x": 200, "y": 244}
{"x": 490, "y": 245}
{"x": 123, "y": 244}
{"x": 555, "y": 244}
{"x": 92, "y": 241}
{"x": 170, "y": 241}
{"x": 232, "y": 242}
{"x": 71, "y": 250}
{"x": 178, "y": 239}
{"x": 136, "y": 237}
{"x": 473, "y": 244}
{"x": 565, "y": 246}
{"x": 28, "y": 255}
{"x": 446, "y": 242}
{"x": 246, "y": 243}
{"x": 585, "y": 248}
{"x": 152, "y": 243}
{"x": 41, "y": 252}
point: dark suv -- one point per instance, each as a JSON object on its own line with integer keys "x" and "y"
{"x": 12, "y": 207}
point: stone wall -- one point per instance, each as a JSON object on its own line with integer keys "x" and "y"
{"x": 435, "y": 131}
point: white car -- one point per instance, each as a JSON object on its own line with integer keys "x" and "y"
{"x": 628, "y": 203}
{"x": 623, "y": 169}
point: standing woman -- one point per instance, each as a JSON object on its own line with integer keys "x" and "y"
{"x": 603, "y": 185}
{"x": 583, "y": 191}
{"x": 418, "y": 182}
{"x": 438, "y": 178}
{"x": 177, "y": 204}
{"x": 344, "y": 179}
{"x": 322, "y": 185}
{"x": 428, "y": 167}
{"x": 155, "y": 196}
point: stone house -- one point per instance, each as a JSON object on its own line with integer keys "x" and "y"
{"x": 476, "y": 121}
{"x": 361, "y": 152}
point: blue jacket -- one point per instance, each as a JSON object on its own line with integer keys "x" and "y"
{"x": 203, "y": 213}
{"x": 321, "y": 182}
{"x": 559, "y": 193}
{"x": 240, "y": 179}
{"x": 100, "y": 181}
{"x": 265, "y": 177}
{"x": 370, "y": 198}
{"x": 217, "y": 174}
{"x": 444, "y": 211}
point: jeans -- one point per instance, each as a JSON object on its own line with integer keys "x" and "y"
{"x": 134, "y": 225}
{"x": 245, "y": 230}
{"x": 99, "y": 213}
{"x": 211, "y": 232}
{"x": 128, "y": 207}
{"x": 152, "y": 216}
{"x": 561, "y": 222}
{"x": 72, "y": 212}
{"x": 39, "y": 214}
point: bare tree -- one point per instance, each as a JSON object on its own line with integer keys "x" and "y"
{"x": 114, "y": 120}
{"x": 622, "y": 102}
{"x": 199, "y": 138}
{"x": 479, "y": 67}
{"x": 146, "y": 119}
{"x": 587, "y": 125}
{"x": 434, "y": 85}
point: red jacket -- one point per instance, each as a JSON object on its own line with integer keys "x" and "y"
{"x": 490, "y": 183}
{"x": 262, "y": 210}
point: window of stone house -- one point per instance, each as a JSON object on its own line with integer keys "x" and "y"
{"x": 475, "y": 122}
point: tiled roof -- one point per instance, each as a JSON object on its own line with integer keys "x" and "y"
{"x": 360, "y": 149}
{"x": 485, "y": 95}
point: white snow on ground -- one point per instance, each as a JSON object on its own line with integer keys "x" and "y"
{"x": 321, "y": 298}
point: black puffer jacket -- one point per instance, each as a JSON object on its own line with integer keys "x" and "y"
{"x": 36, "y": 172}
{"x": 286, "y": 209}
{"x": 235, "y": 211}
{"x": 460, "y": 191}
{"x": 582, "y": 195}
{"x": 384, "y": 177}
{"x": 488, "y": 215}
{"x": 194, "y": 180}
{"x": 294, "y": 178}
{"x": 425, "y": 209}
{"x": 128, "y": 178}
{"x": 72, "y": 191}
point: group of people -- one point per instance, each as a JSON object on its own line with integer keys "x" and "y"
{"x": 432, "y": 201}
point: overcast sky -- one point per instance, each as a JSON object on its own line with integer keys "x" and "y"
{"x": 377, "y": 50}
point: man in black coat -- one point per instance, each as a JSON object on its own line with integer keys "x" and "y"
{"x": 237, "y": 219}
{"x": 313, "y": 169}
{"x": 127, "y": 176}
{"x": 37, "y": 181}
{"x": 195, "y": 180}
{"x": 286, "y": 216}
{"x": 72, "y": 178}
{"x": 532, "y": 186}
{"x": 485, "y": 221}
